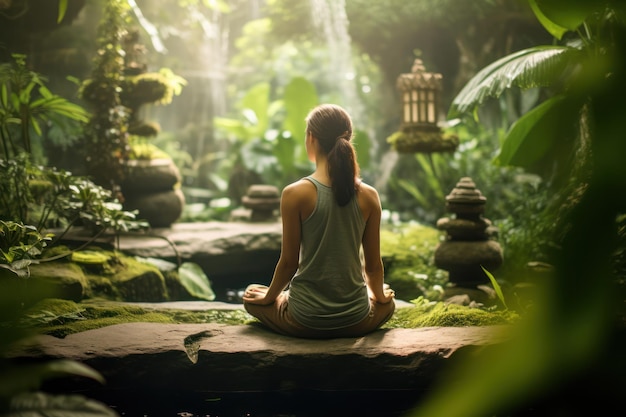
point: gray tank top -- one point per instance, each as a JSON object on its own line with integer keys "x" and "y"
{"x": 328, "y": 291}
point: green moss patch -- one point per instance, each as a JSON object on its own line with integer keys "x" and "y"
{"x": 440, "y": 314}
{"x": 60, "y": 318}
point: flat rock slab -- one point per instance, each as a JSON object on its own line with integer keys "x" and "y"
{"x": 222, "y": 358}
{"x": 211, "y": 238}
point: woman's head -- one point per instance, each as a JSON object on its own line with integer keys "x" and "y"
{"x": 331, "y": 125}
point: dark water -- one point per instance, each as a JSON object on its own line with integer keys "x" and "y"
{"x": 259, "y": 404}
{"x": 396, "y": 403}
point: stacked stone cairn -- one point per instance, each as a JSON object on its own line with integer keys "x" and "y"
{"x": 263, "y": 201}
{"x": 470, "y": 238}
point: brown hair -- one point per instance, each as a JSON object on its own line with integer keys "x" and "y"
{"x": 331, "y": 125}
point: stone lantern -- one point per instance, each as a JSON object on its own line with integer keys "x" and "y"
{"x": 469, "y": 242}
{"x": 420, "y": 93}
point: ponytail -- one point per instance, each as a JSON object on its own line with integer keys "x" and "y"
{"x": 332, "y": 126}
{"x": 343, "y": 170}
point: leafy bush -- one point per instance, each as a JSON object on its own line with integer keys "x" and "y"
{"x": 47, "y": 197}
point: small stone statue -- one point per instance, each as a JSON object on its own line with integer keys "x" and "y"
{"x": 470, "y": 238}
{"x": 263, "y": 201}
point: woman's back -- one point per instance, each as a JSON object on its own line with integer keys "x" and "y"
{"x": 328, "y": 290}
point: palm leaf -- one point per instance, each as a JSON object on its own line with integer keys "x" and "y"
{"x": 539, "y": 131}
{"x": 539, "y": 66}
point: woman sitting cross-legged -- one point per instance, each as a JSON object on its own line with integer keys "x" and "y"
{"x": 329, "y": 279}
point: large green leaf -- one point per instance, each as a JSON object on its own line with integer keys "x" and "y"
{"x": 568, "y": 14}
{"x": 284, "y": 151}
{"x": 554, "y": 29}
{"x": 539, "y": 131}
{"x": 300, "y": 98}
{"x": 539, "y": 66}
{"x": 193, "y": 278}
{"x": 257, "y": 99}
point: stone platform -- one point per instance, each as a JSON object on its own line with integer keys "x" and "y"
{"x": 139, "y": 360}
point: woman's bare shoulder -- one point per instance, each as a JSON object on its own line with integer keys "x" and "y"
{"x": 369, "y": 201}
{"x": 301, "y": 196}
{"x": 301, "y": 189}
{"x": 302, "y": 185}
{"x": 368, "y": 192}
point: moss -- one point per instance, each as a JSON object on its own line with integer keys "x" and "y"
{"x": 56, "y": 251}
{"x": 130, "y": 267}
{"x": 426, "y": 141}
{"x": 58, "y": 269}
{"x": 60, "y": 318}
{"x": 439, "y": 314}
{"x": 402, "y": 242}
{"x": 146, "y": 151}
{"x": 54, "y": 306}
{"x": 119, "y": 280}
{"x": 408, "y": 256}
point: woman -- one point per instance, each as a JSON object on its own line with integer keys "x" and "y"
{"x": 327, "y": 218}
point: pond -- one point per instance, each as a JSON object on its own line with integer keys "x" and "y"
{"x": 287, "y": 403}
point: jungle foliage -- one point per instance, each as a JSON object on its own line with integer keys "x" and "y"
{"x": 573, "y": 325}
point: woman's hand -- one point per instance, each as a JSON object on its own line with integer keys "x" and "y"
{"x": 256, "y": 295}
{"x": 387, "y": 295}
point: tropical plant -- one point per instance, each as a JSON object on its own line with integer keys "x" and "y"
{"x": 47, "y": 198}
{"x": 428, "y": 178}
{"x": 258, "y": 143}
{"x": 20, "y": 246}
{"x": 563, "y": 338}
{"x": 567, "y": 72}
{"x": 35, "y": 199}
{"x": 25, "y": 104}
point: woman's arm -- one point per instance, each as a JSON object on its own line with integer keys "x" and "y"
{"x": 290, "y": 248}
{"x": 373, "y": 268}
